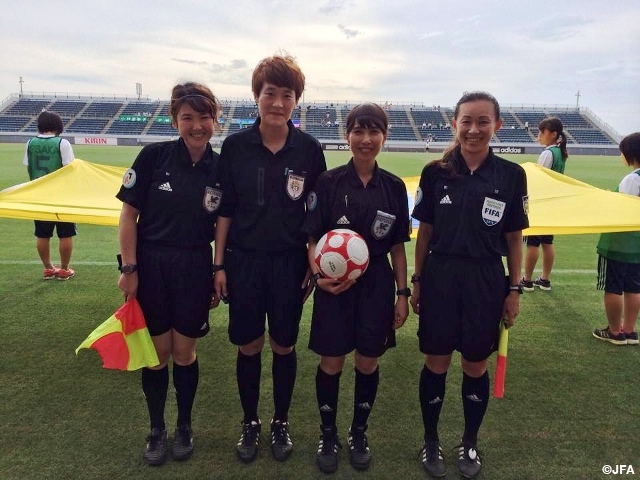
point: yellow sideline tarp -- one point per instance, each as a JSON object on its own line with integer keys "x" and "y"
{"x": 84, "y": 192}
{"x": 560, "y": 205}
{"x": 81, "y": 192}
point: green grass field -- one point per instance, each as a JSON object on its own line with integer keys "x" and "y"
{"x": 569, "y": 408}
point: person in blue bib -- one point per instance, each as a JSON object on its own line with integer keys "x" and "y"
{"x": 619, "y": 262}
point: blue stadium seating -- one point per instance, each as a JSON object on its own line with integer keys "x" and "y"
{"x": 67, "y": 108}
{"x": 27, "y": 106}
{"x": 87, "y": 125}
{"x": 12, "y": 123}
{"x": 407, "y": 123}
{"x": 102, "y": 109}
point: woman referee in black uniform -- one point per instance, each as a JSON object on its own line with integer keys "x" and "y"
{"x": 472, "y": 208}
{"x": 170, "y": 200}
{"x": 360, "y": 314}
{"x": 267, "y": 172}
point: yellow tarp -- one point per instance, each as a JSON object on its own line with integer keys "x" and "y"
{"x": 562, "y": 205}
{"x": 81, "y": 192}
{"x": 84, "y": 192}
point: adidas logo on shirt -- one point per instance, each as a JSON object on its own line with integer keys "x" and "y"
{"x": 166, "y": 187}
{"x": 343, "y": 220}
{"x": 326, "y": 408}
{"x": 446, "y": 200}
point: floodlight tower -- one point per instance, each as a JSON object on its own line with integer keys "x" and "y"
{"x": 21, "y": 81}
{"x": 578, "y": 100}
{"x": 139, "y": 90}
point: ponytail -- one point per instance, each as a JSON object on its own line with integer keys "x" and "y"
{"x": 562, "y": 143}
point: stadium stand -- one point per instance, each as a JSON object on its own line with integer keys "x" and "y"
{"x": 409, "y": 123}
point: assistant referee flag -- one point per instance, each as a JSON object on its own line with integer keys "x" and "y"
{"x": 123, "y": 341}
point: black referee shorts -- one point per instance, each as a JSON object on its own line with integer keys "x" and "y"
{"x": 265, "y": 285}
{"x": 537, "y": 240}
{"x": 461, "y": 302}
{"x": 360, "y": 318}
{"x": 618, "y": 277}
{"x": 174, "y": 289}
{"x": 44, "y": 229}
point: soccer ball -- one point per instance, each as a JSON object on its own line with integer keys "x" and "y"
{"x": 342, "y": 254}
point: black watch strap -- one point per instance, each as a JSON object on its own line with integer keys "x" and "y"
{"x": 405, "y": 292}
{"x": 516, "y": 288}
{"x": 128, "y": 268}
{"x": 217, "y": 268}
{"x": 315, "y": 277}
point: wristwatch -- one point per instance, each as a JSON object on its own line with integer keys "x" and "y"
{"x": 516, "y": 288}
{"x": 415, "y": 278}
{"x": 217, "y": 268}
{"x": 128, "y": 268}
{"x": 405, "y": 292}
{"x": 315, "y": 277}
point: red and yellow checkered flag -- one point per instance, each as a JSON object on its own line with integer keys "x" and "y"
{"x": 123, "y": 341}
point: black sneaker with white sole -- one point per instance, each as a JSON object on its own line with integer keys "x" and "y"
{"x": 606, "y": 335}
{"x": 527, "y": 285}
{"x": 542, "y": 284}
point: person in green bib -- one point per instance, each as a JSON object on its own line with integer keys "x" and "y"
{"x": 44, "y": 154}
{"x": 619, "y": 262}
{"x": 554, "y": 156}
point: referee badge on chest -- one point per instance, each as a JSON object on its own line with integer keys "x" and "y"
{"x": 212, "y": 198}
{"x": 295, "y": 186}
{"x": 382, "y": 225}
{"x": 492, "y": 211}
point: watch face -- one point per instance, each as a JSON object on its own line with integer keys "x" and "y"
{"x": 128, "y": 268}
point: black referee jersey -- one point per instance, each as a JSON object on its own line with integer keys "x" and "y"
{"x": 379, "y": 212}
{"x": 178, "y": 200}
{"x": 471, "y": 212}
{"x": 266, "y": 193}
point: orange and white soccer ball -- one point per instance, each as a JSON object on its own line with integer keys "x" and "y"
{"x": 342, "y": 254}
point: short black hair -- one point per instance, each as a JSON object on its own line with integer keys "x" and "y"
{"x": 367, "y": 115}
{"x": 630, "y": 148}
{"x": 50, "y": 122}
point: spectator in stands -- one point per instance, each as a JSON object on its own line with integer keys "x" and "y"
{"x": 424, "y": 125}
{"x": 44, "y": 154}
{"x": 170, "y": 200}
{"x": 619, "y": 262}
{"x": 551, "y": 135}
{"x": 526, "y": 126}
{"x": 261, "y": 263}
{"x": 471, "y": 206}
